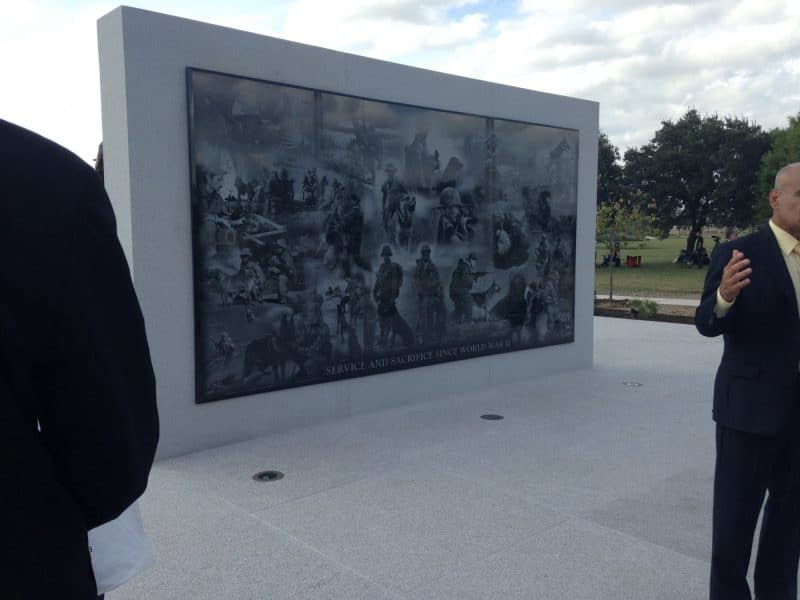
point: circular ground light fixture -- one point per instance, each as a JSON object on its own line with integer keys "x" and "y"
{"x": 632, "y": 383}
{"x": 267, "y": 476}
{"x": 492, "y": 417}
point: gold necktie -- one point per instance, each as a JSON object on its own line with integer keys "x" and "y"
{"x": 796, "y": 252}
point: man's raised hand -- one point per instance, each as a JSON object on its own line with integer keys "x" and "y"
{"x": 735, "y": 276}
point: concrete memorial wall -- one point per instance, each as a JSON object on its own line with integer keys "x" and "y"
{"x": 314, "y": 234}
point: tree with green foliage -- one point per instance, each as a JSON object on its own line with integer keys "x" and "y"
{"x": 610, "y": 184}
{"x": 785, "y": 150}
{"x": 699, "y": 171}
{"x": 619, "y": 223}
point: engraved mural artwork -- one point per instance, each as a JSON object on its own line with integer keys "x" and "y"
{"x": 338, "y": 236}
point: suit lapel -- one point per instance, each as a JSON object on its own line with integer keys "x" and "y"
{"x": 776, "y": 267}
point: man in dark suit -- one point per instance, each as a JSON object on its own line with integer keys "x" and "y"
{"x": 78, "y": 421}
{"x": 752, "y": 297}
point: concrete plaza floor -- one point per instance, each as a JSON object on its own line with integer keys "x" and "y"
{"x": 590, "y": 488}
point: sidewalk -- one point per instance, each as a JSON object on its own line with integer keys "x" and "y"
{"x": 591, "y": 488}
{"x": 673, "y": 301}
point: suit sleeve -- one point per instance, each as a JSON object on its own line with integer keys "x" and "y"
{"x": 99, "y": 419}
{"x": 705, "y": 318}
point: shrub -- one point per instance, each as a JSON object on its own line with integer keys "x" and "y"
{"x": 643, "y": 308}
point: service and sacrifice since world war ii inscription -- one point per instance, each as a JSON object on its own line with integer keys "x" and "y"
{"x": 338, "y": 236}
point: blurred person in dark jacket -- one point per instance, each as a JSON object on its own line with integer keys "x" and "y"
{"x": 78, "y": 420}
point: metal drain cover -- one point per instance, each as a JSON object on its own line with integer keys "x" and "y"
{"x": 492, "y": 417}
{"x": 632, "y": 383}
{"x": 267, "y": 476}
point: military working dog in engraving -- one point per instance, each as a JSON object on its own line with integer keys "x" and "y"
{"x": 401, "y": 226}
{"x": 401, "y": 328}
{"x": 271, "y": 353}
{"x": 260, "y": 357}
{"x": 398, "y": 327}
{"x": 483, "y": 299}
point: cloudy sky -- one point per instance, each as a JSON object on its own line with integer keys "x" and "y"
{"x": 642, "y": 61}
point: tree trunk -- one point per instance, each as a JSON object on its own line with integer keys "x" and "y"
{"x": 611, "y": 279}
{"x": 691, "y": 240}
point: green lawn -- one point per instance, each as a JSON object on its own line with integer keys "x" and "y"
{"x": 657, "y": 276}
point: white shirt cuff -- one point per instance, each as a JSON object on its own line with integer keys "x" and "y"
{"x": 722, "y": 306}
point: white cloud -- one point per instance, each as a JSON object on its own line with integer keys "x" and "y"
{"x": 646, "y": 63}
{"x": 388, "y": 29}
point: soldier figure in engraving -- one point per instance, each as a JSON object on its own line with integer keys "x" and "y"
{"x": 362, "y": 310}
{"x": 559, "y": 257}
{"x": 392, "y": 192}
{"x": 387, "y": 289}
{"x": 352, "y": 228}
{"x": 315, "y": 346}
{"x": 430, "y": 320}
{"x": 250, "y": 277}
{"x": 551, "y": 299}
{"x": 224, "y": 347}
{"x": 543, "y": 209}
{"x": 461, "y": 283}
{"x": 452, "y": 227}
{"x": 536, "y": 310}
{"x": 286, "y": 344}
{"x": 281, "y": 268}
{"x": 542, "y": 255}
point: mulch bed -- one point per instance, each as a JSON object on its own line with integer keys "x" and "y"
{"x": 667, "y": 313}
